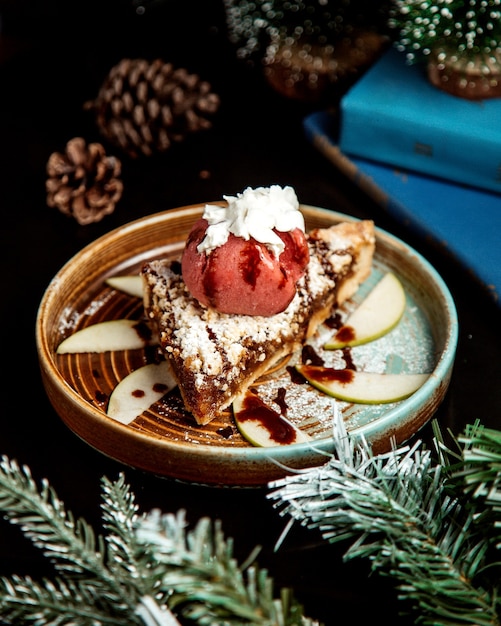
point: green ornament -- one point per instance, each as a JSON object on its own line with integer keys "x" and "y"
{"x": 460, "y": 40}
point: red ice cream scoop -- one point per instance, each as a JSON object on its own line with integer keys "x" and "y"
{"x": 243, "y": 276}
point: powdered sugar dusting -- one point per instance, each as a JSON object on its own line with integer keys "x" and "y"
{"x": 68, "y": 320}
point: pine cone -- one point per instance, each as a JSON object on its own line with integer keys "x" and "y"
{"x": 83, "y": 182}
{"x": 144, "y": 106}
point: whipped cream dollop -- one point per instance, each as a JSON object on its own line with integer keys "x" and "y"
{"x": 253, "y": 213}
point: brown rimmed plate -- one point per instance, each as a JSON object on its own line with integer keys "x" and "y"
{"x": 166, "y": 442}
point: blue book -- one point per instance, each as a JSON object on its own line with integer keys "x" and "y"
{"x": 464, "y": 220}
{"x": 394, "y": 115}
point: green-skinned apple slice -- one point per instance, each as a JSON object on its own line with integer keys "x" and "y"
{"x": 139, "y": 390}
{"x": 376, "y": 315}
{"x": 362, "y": 387}
{"x": 129, "y": 284}
{"x": 121, "y": 334}
{"x": 263, "y": 426}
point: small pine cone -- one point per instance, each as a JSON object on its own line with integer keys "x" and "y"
{"x": 144, "y": 106}
{"x": 83, "y": 182}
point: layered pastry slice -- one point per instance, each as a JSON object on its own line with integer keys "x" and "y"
{"x": 217, "y": 355}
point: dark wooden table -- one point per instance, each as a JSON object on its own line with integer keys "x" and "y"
{"x": 47, "y": 70}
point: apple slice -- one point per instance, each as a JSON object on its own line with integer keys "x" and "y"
{"x": 139, "y": 390}
{"x": 362, "y": 387}
{"x": 261, "y": 425}
{"x": 131, "y": 285}
{"x": 376, "y": 315}
{"x": 122, "y": 334}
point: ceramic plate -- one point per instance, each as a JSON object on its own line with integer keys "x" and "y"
{"x": 165, "y": 440}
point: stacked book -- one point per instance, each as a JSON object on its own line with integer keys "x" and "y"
{"x": 431, "y": 159}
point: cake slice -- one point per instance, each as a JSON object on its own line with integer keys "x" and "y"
{"x": 215, "y": 355}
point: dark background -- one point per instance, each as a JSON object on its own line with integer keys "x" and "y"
{"x": 54, "y": 57}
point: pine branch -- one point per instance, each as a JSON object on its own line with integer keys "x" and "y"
{"x": 145, "y": 568}
{"x": 432, "y": 525}
{"x": 481, "y": 476}
{"x": 126, "y": 559}
{"x": 25, "y": 601}
{"x": 203, "y": 580}
{"x": 71, "y": 545}
{"x": 398, "y": 512}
